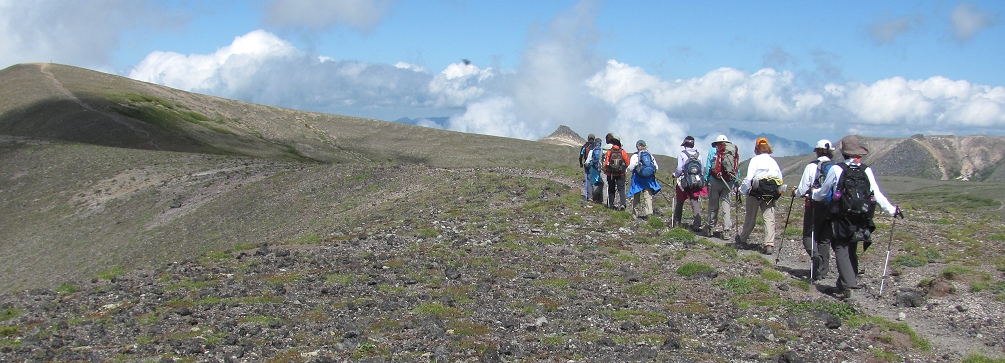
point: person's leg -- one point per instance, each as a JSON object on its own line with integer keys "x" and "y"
{"x": 727, "y": 207}
{"x": 822, "y": 235}
{"x": 853, "y": 256}
{"x": 621, "y": 191}
{"x": 647, "y": 202}
{"x": 611, "y": 189}
{"x": 696, "y": 212}
{"x": 808, "y": 226}
{"x": 586, "y": 184}
{"x": 750, "y": 206}
{"x": 678, "y": 206}
{"x": 714, "y": 193}
{"x": 846, "y": 272}
{"x": 768, "y": 214}
{"x": 637, "y": 204}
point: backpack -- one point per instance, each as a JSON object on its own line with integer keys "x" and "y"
{"x": 853, "y": 205}
{"x": 595, "y": 157}
{"x": 693, "y": 178}
{"x": 766, "y": 189}
{"x": 726, "y": 162}
{"x": 822, "y": 169}
{"x": 616, "y": 164}
{"x": 646, "y": 167}
{"x": 583, "y": 151}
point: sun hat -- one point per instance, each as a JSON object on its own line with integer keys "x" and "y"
{"x": 851, "y": 147}
{"x": 720, "y": 138}
{"x": 825, "y": 144}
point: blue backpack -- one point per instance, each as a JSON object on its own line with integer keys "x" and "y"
{"x": 596, "y": 156}
{"x": 646, "y": 167}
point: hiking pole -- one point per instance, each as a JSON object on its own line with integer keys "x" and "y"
{"x": 889, "y": 245}
{"x": 781, "y": 242}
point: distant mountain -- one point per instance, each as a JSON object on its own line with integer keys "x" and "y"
{"x": 792, "y": 147}
{"x": 939, "y": 157}
{"x": 564, "y": 136}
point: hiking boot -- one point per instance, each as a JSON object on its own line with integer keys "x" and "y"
{"x": 840, "y": 293}
{"x": 769, "y": 250}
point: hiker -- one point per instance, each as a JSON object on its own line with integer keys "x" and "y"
{"x": 615, "y": 166}
{"x": 762, "y": 184}
{"x": 690, "y": 185}
{"x": 644, "y": 186}
{"x": 852, "y": 204}
{"x": 593, "y": 165}
{"x": 720, "y": 178}
{"x": 816, "y": 226}
{"x": 584, "y": 153}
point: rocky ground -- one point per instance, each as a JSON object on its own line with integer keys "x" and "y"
{"x": 512, "y": 265}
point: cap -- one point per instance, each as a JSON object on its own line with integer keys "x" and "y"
{"x": 640, "y": 143}
{"x": 591, "y": 137}
{"x": 761, "y": 140}
{"x": 825, "y": 144}
{"x": 688, "y": 141}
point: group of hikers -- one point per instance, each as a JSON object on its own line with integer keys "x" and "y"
{"x": 840, "y": 197}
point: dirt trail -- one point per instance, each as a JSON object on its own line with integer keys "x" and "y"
{"x": 119, "y": 119}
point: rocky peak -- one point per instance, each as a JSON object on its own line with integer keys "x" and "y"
{"x": 564, "y": 136}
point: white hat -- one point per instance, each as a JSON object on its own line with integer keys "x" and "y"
{"x": 720, "y": 138}
{"x": 825, "y": 144}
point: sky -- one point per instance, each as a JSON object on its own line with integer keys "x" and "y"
{"x": 652, "y": 70}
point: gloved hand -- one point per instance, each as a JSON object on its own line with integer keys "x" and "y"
{"x": 898, "y": 213}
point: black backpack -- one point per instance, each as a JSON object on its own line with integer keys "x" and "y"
{"x": 853, "y": 204}
{"x": 694, "y": 178}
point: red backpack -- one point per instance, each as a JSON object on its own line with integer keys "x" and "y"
{"x": 726, "y": 162}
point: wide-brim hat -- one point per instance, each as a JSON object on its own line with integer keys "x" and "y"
{"x": 851, "y": 147}
{"x": 720, "y": 138}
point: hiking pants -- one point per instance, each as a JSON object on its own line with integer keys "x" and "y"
{"x": 598, "y": 192}
{"x": 718, "y": 194}
{"x": 678, "y": 209}
{"x": 586, "y": 183}
{"x": 616, "y": 183}
{"x": 767, "y": 212}
{"x": 642, "y": 203}
{"x": 846, "y": 254}
{"x": 817, "y": 236}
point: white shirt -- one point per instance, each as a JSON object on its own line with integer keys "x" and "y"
{"x": 834, "y": 175}
{"x": 810, "y": 175}
{"x": 760, "y": 167}
{"x": 635, "y": 162}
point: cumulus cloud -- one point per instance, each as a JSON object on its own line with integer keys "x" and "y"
{"x": 83, "y": 33}
{"x": 493, "y": 116}
{"x": 317, "y": 15}
{"x": 886, "y": 32}
{"x": 936, "y": 103}
{"x": 967, "y": 21}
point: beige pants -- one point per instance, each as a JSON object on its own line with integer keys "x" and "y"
{"x": 767, "y": 211}
{"x": 642, "y": 203}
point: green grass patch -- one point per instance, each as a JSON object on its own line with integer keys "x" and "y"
{"x": 977, "y": 358}
{"x": 8, "y": 331}
{"x": 620, "y": 218}
{"x": 427, "y": 233}
{"x": 693, "y": 268}
{"x": 996, "y": 288}
{"x": 909, "y": 261}
{"x": 306, "y": 239}
{"x": 839, "y": 309}
{"x": 886, "y": 355}
{"x": 340, "y": 279}
{"x": 771, "y": 274}
{"x": 679, "y": 235}
{"x": 438, "y": 310}
{"x": 67, "y": 289}
{"x": 111, "y": 273}
{"x": 886, "y": 325}
{"x": 743, "y": 285}
{"x": 464, "y": 328}
{"x": 655, "y": 223}
{"x": 644, "y": 317}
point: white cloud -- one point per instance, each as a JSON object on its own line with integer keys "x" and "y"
{"x": 317, "y": 15}
{"x": 459, "y": 84}
{"x": 83, "y": 33}
{"x": 492, "y": 116}
{"x": 936, "y": 103}
{"x": 967, "y": 21}
{"x": 637, "y": 120}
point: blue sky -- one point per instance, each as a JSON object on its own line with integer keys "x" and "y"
{"x": 653, "y": 70}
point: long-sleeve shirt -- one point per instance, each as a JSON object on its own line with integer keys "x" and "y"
{"x": 682, "y": 159}
{"x": 810, "y": 175}
{"x": 635, "y": 162}
{"x": 760, "y": 167}
{"x": 834, "y": 175}
{"x": 709, "y": 162}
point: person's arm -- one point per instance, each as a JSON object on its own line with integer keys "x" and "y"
{"x": 633, "y": 163}
{"x": 656, "y": 167}
{"x": 709, "y": 161}
{"x": 880, "y": 198}
{"x": 681, "y": 160}
{"x": 751, "y": 169}
{"x": 806, "y": 180}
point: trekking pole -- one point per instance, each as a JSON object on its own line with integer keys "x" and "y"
{"x": 889, "y": 245}
{"x": 781, "y": 242}
{"x": 813, "y": 236}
